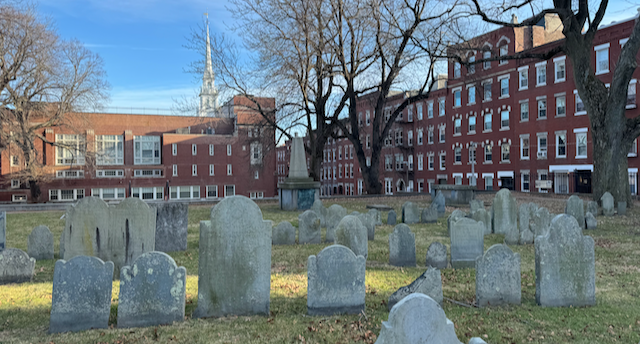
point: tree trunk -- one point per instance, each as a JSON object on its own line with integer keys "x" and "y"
{"x": 370, "y": 175}
{"x": 35, "y": 190}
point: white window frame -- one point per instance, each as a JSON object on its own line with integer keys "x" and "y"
{"x": 523, "y": 78}
{"x": 211, "y": 189}
{"x": 562, "y": 133}
{"x": 524, "y": 104}
{"x": 471, "y": 94}
{"x": 116, "y": 146}
{"x": 141, "y": 144}
{"x": 500, "y": 80}
{"x": 502, "y": 124}
{"x": 542, "y": 151}
{"x": 229, "y": 169}
{"x": 522, "y": 147}
{"x": 226, "y": 187}
{"x": 541, "y": 73}
{"x": 194, "y": 149}
{"x": 540, "y": 101}
{"x": 194, "y": 170}
{"x": 473, "y": 119}
{"x": 72, "y": 152}
{"x": 600, "y": 50}
{"x": 490, "y": 122}
{"x": 561, "y": 98}
{"x": 457, "y": 97}
{"x": 560, "y": 62}
{"x": 579, "y": 133}
{"x": 442, "y": 102}
{"x": 228, "y": 150}
{"x": 442, "y": 161}
{"x": 174, "y": 170}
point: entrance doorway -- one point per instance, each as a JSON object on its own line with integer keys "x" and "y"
{"x": 583, "y": 181}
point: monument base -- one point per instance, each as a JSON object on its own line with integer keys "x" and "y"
{"x": 298, "y": 193}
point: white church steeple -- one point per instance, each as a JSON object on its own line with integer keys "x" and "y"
{"x": 208, "y": 93}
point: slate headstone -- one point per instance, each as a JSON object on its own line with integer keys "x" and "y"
{"x": 3, "y": 230}
{"x": 369, "y": 222}
{"x": 565, "y": 265}
{"x": 40, "y": 243}
{"x": 234, "y": 266}
{"x": 622, "y": 208}
{"x": 498, "y": 277}
{"x": 439, "y": 201}
{"x": 524, "y": 214}
{"x": 592, "y": 207}
{"x": 172, "y": 221}
{"x": 335, "y": 213}
{"x": 402, "y": 246}
{"x": 375, "y": 214}
{"x": 591, "y": 221}
{"x": 335, "y": 282}
{"x": 456, "y": 214}
{"x": 505, "y": 215}
{"x": 284, "y": 234}
{"x": 475, "y": 205}
{"x": 467, "y": 242}
{"x": 437, "y": 256}
{"x": 352, "y": 233}
{"x": 309, "y": 231}
{"x": 575, "y": 208}
{"x": 429, "y": 215}
{"x": 319, "y": 208}
{"x": 607, "y": 204}
{"x": 482, "y": 215}
{"x": 81, "y": 297}
{"x": 152, "y": 291}
{"x": 16, "y": 266}
{"x": 429, "y": 283}
{"x": 392, "y": 218}
{"x": 410, "y": 213}
{"x": 541, "y": 222}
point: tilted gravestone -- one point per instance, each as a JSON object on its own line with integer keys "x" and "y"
{"x": 309, "y": 231}
{"x": 410, "y": 213}
{"x": 152, "y": 291}
{"x": 369, "y": 222}
{"x": 392, "y": 218}
{"x": 417, "y": 319}
{"x": 467, "y": 242}
{"x": 524, "y": 218}
{"x": 437, "y": 256}
{"x": 284, "y": 234}
{"x": 622, "y": 208}
{"x": 234, "y": 265}
{"x": 575, "y": 208}
{"x": 40, "y": 243}
{"x": 172, "y": 221}
{"x": 319, "y": 208}
{"x": 590, "y": 221}
{"x": 335, "y": 213}
{"x": 429, "y": 215}
{"x": 565, "y": 265}
{"x": 335, "y": 282}
{"x": 3, "y": 230}
{"x": 429, "y": 283}
{"x": 475, "y": 205}
{"x": 541, "y": 222}
{"x": 505, "y": 215}
{"x": 81, "y": 297}
{"x": 439, "y": 202}
{"x": 592, "y": 207}
{"x": 375, "y": 214}
{"x": 402, "y": 246}
{"x": 607, "y": 204}
{"x": 482, "y": 215}
{"x": 352, "y": 233}
{"x": 16, "y": 266}
{"x": 498, "y": 277}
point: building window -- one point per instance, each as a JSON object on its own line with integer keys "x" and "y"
{"x": 256, "y": 175}
{"x": 399, "y": 161}
{"x": 633, "y": 182}
{"x": 457, "y": 97}
{"x": 560, "y": 66}
{"x": 70, "y": 174}
{"x": 388, "y": 162}
{"x": 184, "y": 192}
{"x": 487, "y": 90}
{"x": 457, "y": 126}
{"x": 504, "y": 120}
{"x": 409, "y": 137}
{"x": 229, "y": 190}
{"x": 430, "y": 135}
{"x": 486, "y": 55}
{"x": 504, "y": 50}
{"x": 398, "y": 138}
{"x": 542, "y": 108}
{"x": 430, "y": 109}
{"x": 631, "y": 94}
{"x": 542, "y": 146}
{"x": 472, "y": 94}
{"x": 194, "y": 170}
{"x": 442, "y": 161}
{"x": 457, "y": 153}
{"x": 524, "y": 148}
{"x": 442, "y": 134}
{"x": 505, "y": 150}
{"x": 340, "y": 171}
{"x": 108, "y": 193}
{"x": 256, "y": 153}
{"x": 457, "y": 179}
{"x": 256, "y": 194}
{"x": 456, "y": 70}
{"x": 212, "y": 171}
{"x": 175, "y": 170}
{"x": 634, "y": 148}
{"x": 65, "y": 195}
{"x": 419, "y": 111}
{"x": 70, "y": 150}
{"x": 488, "y": 182}
{"x": 420, "y": 136}
{"x": 523, "y": 77}
{"x": 561, "y": 145}
{"x": 487, "y": 122}
{"x": 430, "y": 162}
{"x": 410, "y": 113}
{"x": 15, "y": 183}
{"x": 194, "y": 149}
{"x": 524, "y": 176}
{"x": 504, "y": 87}
{"x": 368, "y": 117}
{"x": 174, "y": 149}
{"x": 524, "y": 111}
{"x": 561, "y": 106}
{"x": 488, "y": 156}
{"x": 420, "y": 162}
{"x": 229, "y": 170}
{"x": 472, "y": 124}
{"x": 602, "y": 58}
{"x": 146, "y": 150}
{"x": 368, "y": 144}
{"x": 441, "y": 104}
{"x": 149, "y": 173}
{"x": 109, "y": 150}
{"x": 211, "y": 150}
{"x": 581, "y": 145}
{"x": 228, "y": 150}
{"x": 109, "y": 173}
{"x": 15, "y": 161}
{"x": 212, "y": 191}
{"x": 472, "y": 67}
{"x": 541, "y": 74}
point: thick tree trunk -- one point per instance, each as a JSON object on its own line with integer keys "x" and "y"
{"x": 34, "y": 187}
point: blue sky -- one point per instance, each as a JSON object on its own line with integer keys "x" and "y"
{"x": 141, "y": 41}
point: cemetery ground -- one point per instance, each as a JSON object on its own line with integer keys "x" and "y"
{"x": 24, "y": 308}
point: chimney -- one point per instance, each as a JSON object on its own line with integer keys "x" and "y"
{"x": 514, "y": 19}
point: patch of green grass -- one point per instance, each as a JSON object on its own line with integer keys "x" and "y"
{"x": 24, "y": 308}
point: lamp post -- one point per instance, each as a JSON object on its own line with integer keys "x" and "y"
{"x": 473, "y": 162}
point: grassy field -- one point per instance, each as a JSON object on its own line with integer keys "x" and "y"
{"x": 24, "y": 308}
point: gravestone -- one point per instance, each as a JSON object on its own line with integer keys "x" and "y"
{"x": 467, "y": 242}
{"x": 40, "y": 243}
{"x": 456, "y": 214}
{"x": 429, "y": 215}
{"x": 61, "y": 246}
{"x": 498, "y": 277}
{"x": 482, "y": 215}
{"x": 284, "y": 234}
{"x": 622, "y": 208}
{"x": 234, "y": 265}
{"x": 565, "y": 265}
{"x": 429, "y": 283}
{"x": 172, "y": 220}
{"x": 575, "y": 208}
{"x": 607, "y": 204}
{"x": 591, "y": 221}
{"x": 319, "y": 208}
{"x": 392, "y": 218}
{"x": 309, "y": 231}
{"x": 369, "y": 222}
{"x": 524, "y": 214}
{"x": 152, "y": 291}
{"x": 3, "y": 230}
{"x": 352, "y": 233}
{"x": 410, "y": 213}
{"x": 541, "y": 222}
{"x": 335, "y": 282}
{"x": 335, "y": 213}
{"x": 437, "y": 256}
{"x": 505, "y": 215}
{"x": 16, "y": 266}
{"x": 402, "y": 246}
{"x": 375, "y": 214}
{"x": 475, "y": 205}
{"x": 81, "y": 297}
{"x": 592, "y": 207}
{"x": 439, "y": 202}
{"x": 417, "y": 319}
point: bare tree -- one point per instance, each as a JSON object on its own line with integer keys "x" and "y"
{"x": 43, "y": 80}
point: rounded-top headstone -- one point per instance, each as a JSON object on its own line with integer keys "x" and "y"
{"x": 352, "y": 233}
{"x": 402, "y": 246}
{"x": 40, "y": 243}
{"x": 575, "y": 208}
{"x": 498, "y": 277}
{"x": 437, "y": 256}
{"x": 15, "y": 266}
{"x": 309, "y": 230}
{"x": 392, "y": 218}
{"x": 283, "y": 234}
{"x": 607, "y": 204}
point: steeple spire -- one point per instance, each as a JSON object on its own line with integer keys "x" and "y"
{"x": 208, "y": 93}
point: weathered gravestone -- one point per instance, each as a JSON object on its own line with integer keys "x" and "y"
{"x": 352, "y": 233}
{"x": 417, "y": 319}
{"x": 437, "y": 256}
{"x": 429, "y": 283}
{"x": 81, "y": 297}
{"x": 622, "y": 208}
{"x": 498, "y": 277}
{"x": 319, "y": 208}
{"x": 172, "y": 220}
{"x": 475, "y": 205}
{"x": 402, "y": 246}
{"x": 40, "y": 243}
{"x": 455, "y": 215}
{"x": 234, "y": 266}
{"x": 392, "y": 218}
{"x": 541, "y": 222}
{"x": 524, "y": 218}
{"x": 565, "y": 265}
{"x": 3, "y": 230}
{"x": 369, "y": 223}
{"x": 505, "y": 215}
{"x": 61, "y": 246}
{"x": 375, "y": 214}
{"x": 335, "y": 282}
{"x": 284, "y": 234}
{"x": 575, "y": 208}
{"x": 590, "y": 221}
{"x": 439, "y": 202}
{"x": 152, "y": 291}
{"x": 410, "y": 213}
{"x": 482, "y": 215}
{"x": 467, "y": 242}
{"x": 335, "y": 213}
{"x": 309, "y": 231}
{"x": 16, "y": 266}
{"x": 607, "y": 204}
{"x": 429, "y": 215}
{"x": 592, "y": 207}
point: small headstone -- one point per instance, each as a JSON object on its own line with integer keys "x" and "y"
{"x": 467, "y": 242}
{"x": 498, "y": 277}
{"x": 335, "y": 282}
{"x": 565, "y": 265}
{"x": 592, "y": 207}
{"x": 234, "y": 266}
{"x": 16, "y": 266}
{"x": 439, "y": 201}
{"x": 284, "y": 234}
{"x": 437, "y": 256}
{"x": 575, "y": 208}
{"x": 172, "y": 221}
{"x": 319, "y": 208}
{"x": 3, "y": 230}
{"x": 482, "y": 215}
{"x": 152, "y": 291}
{"x": 417, "y": 319}
{"x": 475, "y": 205}
{"x": 402, "y": 246}
{"x": 352, "y": 233}
{"x": 541, "y": 222}
{"x": 456, "y": 214}
{"x": 622, "y": 208}
{"x": 591, "y": 221}
{"x": 429, "y": 283}
{"x": 81, "y": 297}
{"x": 505, "y": 215}
{"x": 410, "y": 213}
{"x": 369, "y": 222}
{"x": 607, "y": 204}
{"x": 375, "y": 214}
{"x": 40, "y": 243}
{"x": 429, "y": 215}
{"x": 391, "y": 218}
{"x": 526, "y": 235}
{"x": 309, "y": 231}
{"x": 335, "y": 213}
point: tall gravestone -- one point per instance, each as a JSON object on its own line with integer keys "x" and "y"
{"x": 607, "y": 204}
{"x": 575, "y": 208}
{"x": 482, "y": 215}
{"x": 439, "y": 202}
{"x": 335, "y": 282}
{"x": 524, "y": 219}
{"x": 309, "y": 231}
{"x": 392, "y": 218}
{"x": 16, "y": 266}
{"x": 283, "y": 234}
{"x": 172, "y": 221}
{"x": 455, "y": 215}
{"x": 319, "y": 208}
{"x": 505, "y": 216}
{"x": 152, "y": 291}
{"x": 541, "y": 222}
{"x": 3, "y": 230}
{"x": 352, "y": 233}
{"x": 467, "y": 242}
{"x": 335, "y": 213}
{"x": 498, "y": 277}
{"x": 40, "y": 243}
{"x": 429, "y": 283}
{"x": 81, "y": 297}
{"x": 410, "y": 213}
{"x": 375, "y": 214}
{"x": 298, "y": 191}
{"x": 369, "y": 222}
{"x": 402, "y": 246}
{"x": 437, "y": 256}
{"x": 565, "y": 265}
{"x": 234, "y": 266}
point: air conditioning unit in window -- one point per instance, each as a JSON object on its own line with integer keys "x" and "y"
{"x": 542, "y": 155}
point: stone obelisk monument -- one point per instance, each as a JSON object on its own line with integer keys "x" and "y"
{"x": 298, "y": 191}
